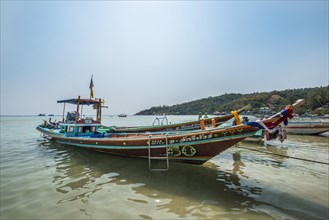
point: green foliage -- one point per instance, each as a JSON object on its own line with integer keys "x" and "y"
{"x": 316, "y": 102}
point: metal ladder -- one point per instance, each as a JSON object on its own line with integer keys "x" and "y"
{"x": 166, "y": 157}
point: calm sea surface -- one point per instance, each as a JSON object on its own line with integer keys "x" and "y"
{"x": 44, "y": 180}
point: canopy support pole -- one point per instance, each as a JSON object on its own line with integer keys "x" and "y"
{"x": 78, "y": 105}
{"x": 81, "y": 111}
{"x": 97, "y": 111}
{"x": 63, "y": 112}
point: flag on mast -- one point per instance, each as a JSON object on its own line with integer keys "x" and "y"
{"x": 91, "y": 86}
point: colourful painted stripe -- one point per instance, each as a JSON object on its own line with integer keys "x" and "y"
{"x": 212, "y": 140}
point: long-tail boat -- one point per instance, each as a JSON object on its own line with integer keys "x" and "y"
{"x": 185, "y": 126}
{"x": 194, "y": 146}
{"x": 302, "y": 127}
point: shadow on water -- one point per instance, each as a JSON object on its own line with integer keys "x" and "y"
{"x": 185, "y": 190}
{"x": 274, "y": 156}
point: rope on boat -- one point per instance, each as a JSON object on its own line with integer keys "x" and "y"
{"x": 296, "y": 158}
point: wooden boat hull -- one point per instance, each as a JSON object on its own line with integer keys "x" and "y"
{"x": 195, "y": 147}
{"x": 178, "y": 154}
{"x": 307, "y": 128}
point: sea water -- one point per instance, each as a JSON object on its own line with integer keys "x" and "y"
{"x": 41, "y": 179}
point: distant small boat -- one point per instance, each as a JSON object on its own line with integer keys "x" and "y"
{"x": 51, "y": 115}
{"x": 122, "y": 115}
{"x": 41, "y": 114}
{"x": 307, "y": 127}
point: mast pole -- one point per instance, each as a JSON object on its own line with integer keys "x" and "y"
{"x": 81, "y": 111}
{"x": 100, "y": 110}
{"x": 97, "y": 112}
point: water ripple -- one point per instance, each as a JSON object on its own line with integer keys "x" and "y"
{"x": 66, "y": 182}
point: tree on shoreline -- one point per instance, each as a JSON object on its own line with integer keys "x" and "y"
{"x": 316, "y": 102}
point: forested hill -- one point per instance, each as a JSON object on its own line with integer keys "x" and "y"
{"x": 316, "y": 102}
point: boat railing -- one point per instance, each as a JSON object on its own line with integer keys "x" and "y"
{"x": 160, "y": 121}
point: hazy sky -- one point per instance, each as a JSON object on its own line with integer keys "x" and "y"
{"x": 150, "y": 53}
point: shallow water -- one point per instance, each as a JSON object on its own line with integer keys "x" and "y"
{"x": 45, "y": 180}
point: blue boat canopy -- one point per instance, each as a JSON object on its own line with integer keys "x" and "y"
{"x": 81, "y": 101}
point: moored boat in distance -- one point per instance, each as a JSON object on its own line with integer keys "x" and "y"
{"x": 122, "y": 115}
{"x": 306, "y": 127}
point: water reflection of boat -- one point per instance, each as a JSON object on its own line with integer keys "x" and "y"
{"x": 237, "y": 164}
{"x": 82, "y": 176}
{"x": 274, "y": 155}
{"x": 307, "y": 127}
{"x": 88, "y": 181}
